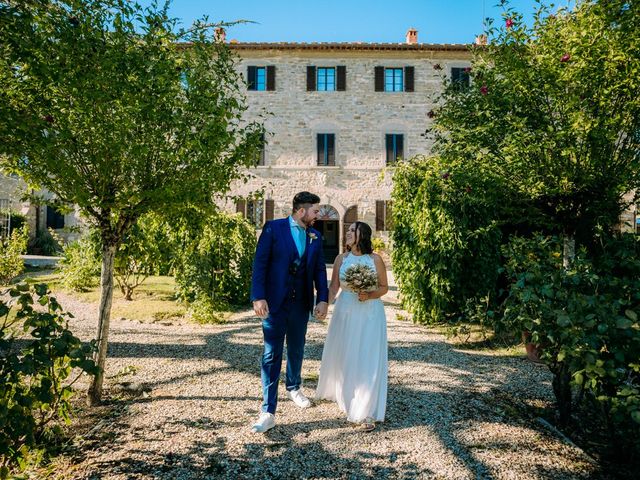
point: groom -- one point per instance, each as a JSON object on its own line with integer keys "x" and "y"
{"x": 287, "y": 264}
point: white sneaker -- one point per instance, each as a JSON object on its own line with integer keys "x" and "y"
{"x": 298, "y": 398}
{"x": 266, "y": 421}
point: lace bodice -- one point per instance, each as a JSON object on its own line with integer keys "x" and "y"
{"x": 351, "y": 259}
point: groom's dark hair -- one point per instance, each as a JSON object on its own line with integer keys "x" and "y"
{"x": 304, "y": 199}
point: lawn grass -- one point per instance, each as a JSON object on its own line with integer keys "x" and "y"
{"x": 153, "y": 301}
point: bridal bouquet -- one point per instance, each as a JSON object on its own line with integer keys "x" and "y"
{"x": 361, "y": 278}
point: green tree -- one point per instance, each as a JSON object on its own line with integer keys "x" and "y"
{"x": 546, "y": 137}
{"x": 110, "y": 107}
{"x": 554, "y": 111}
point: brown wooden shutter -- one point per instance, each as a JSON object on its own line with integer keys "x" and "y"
{"x": 269, "y": 206}
{"x": 311, "y": 78}
{"x": 379, "y": 215}
{"x": 399, "y": 147}
{"x": 409, "y": 75}
{"x": 251, "y": 78}
{"x": 331, "y": 149}
{"x": 342, "y": 78}
{"x": 321, "y": 148}
{"x": 388, "y": 215}
{"x": 379, "y": 79}
{"x": 271, "y": 77}
{"x": 350, "y": 216}
{"x": 241, "y": 207}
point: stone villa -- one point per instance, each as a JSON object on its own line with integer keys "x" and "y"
{"x": 338, "y": 116}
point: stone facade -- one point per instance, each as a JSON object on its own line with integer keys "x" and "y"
{"x": 359, "y": 117}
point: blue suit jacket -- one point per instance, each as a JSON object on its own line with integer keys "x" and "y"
{"x": 275, "y": 252}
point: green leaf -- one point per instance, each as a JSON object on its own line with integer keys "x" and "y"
{"x": 622, "y": 322}
{"x": 632, "y": 315}
{"x": 635, "y": 415}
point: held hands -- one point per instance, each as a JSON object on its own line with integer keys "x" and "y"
{"x": 320, "y": 312}
{"x": 363, "y": 296}
{"x": 261, "y": 308}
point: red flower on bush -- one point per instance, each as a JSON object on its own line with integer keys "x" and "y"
{"x": 437, "y": 66}
{"x": 467, "y": 189}
{"x": 565, "y": 58}
{"x": 467, "y": 69}
{"x": 484, "y": 90}
{"x": 446, "y": 175}
{"x": 508, "y": 23}
{"x": 431, "y": 114}
{"x": 48, "y": 118}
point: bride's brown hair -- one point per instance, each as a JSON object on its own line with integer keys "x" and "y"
{"x": 364, "y": 243}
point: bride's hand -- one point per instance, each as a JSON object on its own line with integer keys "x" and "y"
{"x": 363, "y": 296}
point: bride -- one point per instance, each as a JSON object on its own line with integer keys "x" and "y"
{"x": 353, "y": 371}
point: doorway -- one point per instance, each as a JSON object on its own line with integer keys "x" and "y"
{"x": 330, "y": 236}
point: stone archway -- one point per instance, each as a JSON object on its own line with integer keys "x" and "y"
{"x": 328, "y": 224}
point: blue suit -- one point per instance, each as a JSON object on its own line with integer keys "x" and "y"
{"x": 286, "y": 281}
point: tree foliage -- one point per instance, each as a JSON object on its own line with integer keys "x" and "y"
{"x": 113, "y": 109}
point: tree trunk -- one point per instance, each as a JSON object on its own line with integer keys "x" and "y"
{"x": 94, "y": 394}
{"x": 562, "y": 389}
{"x": 569, "y": 250}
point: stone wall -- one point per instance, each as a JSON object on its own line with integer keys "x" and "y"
{"x": 359, "y": 117}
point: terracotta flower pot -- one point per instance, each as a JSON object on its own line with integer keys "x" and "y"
{"x": 533, "y": 350}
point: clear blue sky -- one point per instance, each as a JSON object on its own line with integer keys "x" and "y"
{"x": 437, "y": 21}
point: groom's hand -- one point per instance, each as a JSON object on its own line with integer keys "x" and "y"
{"x": 321, "y": 310}
{"x": 261, "y": 308}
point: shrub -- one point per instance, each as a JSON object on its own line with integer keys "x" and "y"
{"x": 447, "y": 236}
{"x": 145, "y": 250}
{"x": 44, "y": 243}
{"x": 35, "y": 374}
{"x": 80, "y": 264}
{"x": 214, "y": 267}
{"x": 585, "y": 320}
{"x": 11, "y": 249}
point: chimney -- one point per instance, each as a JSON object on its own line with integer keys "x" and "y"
{"x": 220, "y": 34}
{"x": 412, "y": 36}
{"x": 481, "y": 39}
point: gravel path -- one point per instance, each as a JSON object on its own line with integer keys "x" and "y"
{"x": 450, "y": 413}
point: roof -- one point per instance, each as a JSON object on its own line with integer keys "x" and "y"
{"x": 451, "y": 47}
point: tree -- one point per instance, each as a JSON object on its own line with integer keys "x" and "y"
{"x": 110, "y": 108}
{"x": 554, "y": 111}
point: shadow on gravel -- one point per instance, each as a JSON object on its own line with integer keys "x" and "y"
{"x": 467, "y": 393}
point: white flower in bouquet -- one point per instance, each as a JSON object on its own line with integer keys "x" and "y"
{"x": 361, "y": 278}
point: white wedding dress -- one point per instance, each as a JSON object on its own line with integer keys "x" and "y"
{"x": 353, "y": 371}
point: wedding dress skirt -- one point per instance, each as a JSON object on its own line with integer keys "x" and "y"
{"x": 353, "y": 371}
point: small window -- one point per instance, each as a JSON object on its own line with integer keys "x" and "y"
{"x": 261, "y": 78}
{"x": 256, "y": 211}
{"x": 394, "y": 143}
{"x": 260, "y": 160}
{"x": 326, "y": 149}
{"x": 460, "y": 78}
{"x": 393, "y": 81}
{"x": 55, "y": 219}
{"x": 384, "y": 218}
{"x": 326, "y": 79}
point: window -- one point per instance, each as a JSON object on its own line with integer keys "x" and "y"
{"x": 394, "y": 143}
{"x": 460, "y": 77}
{"x": 326, "y": 149}
{"x": 55, "y": 219}
{"x": 393, "y": 80}
{"x": 261, "y": 154}
{"x": 261, "y": 78}
{"x": 257, "y": 211}
{"x": 326, "y": 79}
{"x": 384, "y": 218}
